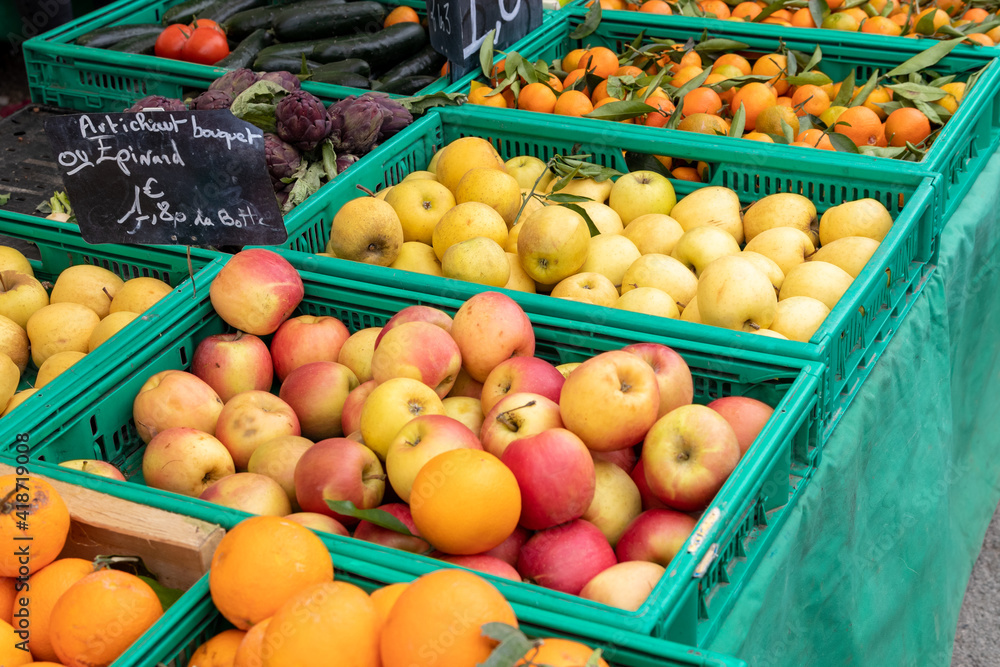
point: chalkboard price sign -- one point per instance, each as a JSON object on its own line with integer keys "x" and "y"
{"x": 167, "y": 178}
{"x": 459, "y": 27}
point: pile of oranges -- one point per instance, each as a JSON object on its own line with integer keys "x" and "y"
{"x": 776, "y": 107}
{"x": 60, "y": 611}
{"x": 300, "y": 616}
{"x": 887, "y": 17}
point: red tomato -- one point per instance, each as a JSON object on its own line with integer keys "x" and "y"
{"x": 171, "y": 41}
{"x": 206, "y": 46}
{"x": 206, "y": 23}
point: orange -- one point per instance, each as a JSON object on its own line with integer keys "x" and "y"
{"x": 559, "y": 653}
{"x": 861, "y": 125}
{"x": 940, "y": 19}
{"x": 655, "y": 7}
{"x": 252, "y": 570}
{"x": 815, "y": 139}
{"x": 45, "y": 587}
{"x": 665, "y": 160}
{"x": 689, "y": 59}
{"x": 733, "y": 60}
{"x": 810, "y": 99}
{"x": 950, "y": 7}
{"x": 401, "y": 15}
{"x": 600, "y": 92}
{"x": 754, "y": 98}
{"x": 769, "y": 120}
{"x": 685, "y": 74}
{"x": 601, "y": 60}
{"x": 571, "y": 60}
{"x": 616, "y": 5}
{"x": 482, "y": 97}
{"x": 629, "y": 70}
{"x": 980, "y": 38}
{"x": 834, "y": 4}
{"x": 385, "y": 598}
{"x": 902, "y": 19}
{"x": 686, "y": 174}
{"x": 609, "y": 100}
{"x": 449, "y": 603}
{"x": 858, "y": 14}
{"x": 701, "y": 100}
{"x": 10, "y": 654}
{"x": 7, "y": 598}
{"x": 704, "y": 123}
{"x": 802, "y": 18}
{"x": 758, "y": 136}
{"x": 716, "y": 7}
{"x": 976, "y": 15}
{"x": 249, "y": 653}
{"x": 906, "y": 124}
{"x": 777, "y": 21}
{"x": 878, "y": 96}
{"x": 100, "y": 616}
{"x": 994, "y": 34}
{"x": 536, "y": 97}
{"x": 881, "y": 25}
{"x": 664, "y": 107}
{"x": 334, "y": 618}
{"x": 657, "y": 92}
{"x": 773, "y": 64}
{"x": 219, "y": 651}
{"x": 572, "y": 77}
{"x": 465, "y": 501}
{"x": 784, "y": 101}
{"x": 33, "y": 509}
{"x": 746, "y": 10}
{"x": 955, "y": 90}
{"x": 573, "y": 103}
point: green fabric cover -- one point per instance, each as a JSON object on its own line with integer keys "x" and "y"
{"x": 872, "y": 566}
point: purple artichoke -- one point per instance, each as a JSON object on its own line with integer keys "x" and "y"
{"x": 355, "y": 125}
{"x": 282, "y": 159}
{"x": 151, "y": 101}
{"x": 286, "y": 80}
{"x": 211, "y": 99}
{"x": 345, "y": 161}
{"x": 235, "y": 82}
{"x": 394, "y": 115}
{"x": 302, "y": 120}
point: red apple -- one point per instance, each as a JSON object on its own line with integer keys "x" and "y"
{"x": 185, "y": 461}
{"x": 252, "y": 418}
{"x": 256, "y": 291}
{"x": 688, "y": 455}
{"x": 317, "y": 393}
{"x": 466, "y": 386}
{"x": 233, "y": 363}
{"x": 521, "y": 374}
{"x": 350, "y": 416}
{"x": 555, "y": 473}
{"x": 305, "y": 339}
{"x": 747, "y": 416}
{"x": 672, "y": 374}
{"x": 175, "y": 399}
{"x": 625, "y": 585}
{"x": 489, "y": 328}
{"x": 517, "y": 416}
{"x": 277, "y": 459}
{"x": 95, "y": 467}
{"x": 249, "y": 492}
{"x": 418, "y": 442}
{"x": 420, "y": 351}
{"x": 369, "y": 532}
{"x": 655, "y": 536}
{"x": 319, "y": 522}
{"x": 416, "y": 314}
{"x": 485, "y": 564}
{"x": 510, "y": 549}
{"x": 610, "y": 400}
{"x": 623, "y": 458}
{"x": 649, "y": 500}
{"x": 339, "y": 469}
{"x": 566, "y": 557}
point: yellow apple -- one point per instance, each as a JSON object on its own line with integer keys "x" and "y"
{"x": 654, "y": 233}
{"x": 392, "y": 405}
{"x": 785, "y": 246}
{"x": 851, "y": 253}
{"x": 417, "y": 257}
{"x": 734, "y": 294}
{"x": 784, "y": 209}
{"x": 518, "y": 281}
{"x": 467, "y": 221}
{"x": 10, "y": 377}
{"x": 356, "y": 352}
{"x": 20, "y": 296}
{"x": 139, "y": 294}
{"x": 610, "y": 255}
{"x": 60, "y": 327}
{"x": 497, "y": 189}
{"x": 585, "y": 187}
{"x": 55, "y": 365}
{"x": 462, "y": 155}
{"x": 691, "y": 313}
{"x": 664, "y": 273}
{"x": 420, "y": 176}
{"x": 420, "y": 205}
{"x": 799, "y": 317}
{"x": 553, "y": 244}
{"x": 366, "y": 230}
{"x": 87, "y": 285}
{"x": 820, "y": 280}
{"x": 527, "y": 170}
{"x": 649, "y": 301}
{"x": 713, "y": 207}
{"x": 466, "y": 409}
{"x": 638, "y": 193}
{"x": 864, "y": 217}
{"x": 699, "y": 247}
{"x": 589, "y": 288}
{"x": 766, "y": 266}
{"x": 108, "y": 327}
{"x": 603, "y": 216}
{"x": 17, "y": 399}
{"x": 14, "y": 342}
{"x": 478, "y": 260}
{"x": 11, "y": 259}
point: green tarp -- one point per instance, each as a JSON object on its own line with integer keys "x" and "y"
{"x": 872, "y": 566}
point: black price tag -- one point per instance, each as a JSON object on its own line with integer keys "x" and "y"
{"x": 167, "y": 178}
{"x": 458, "y": 27}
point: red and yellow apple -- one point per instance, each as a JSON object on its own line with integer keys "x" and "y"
{"x": 256, "y": 291}
{"x": 172, "y": 399}
{"x": 317, "y": 392}
{"x": 305, "y": 339}
{"x": 252, "y": 418}
{"x": 233, "y": 363}
{"x": 185, "y": 461}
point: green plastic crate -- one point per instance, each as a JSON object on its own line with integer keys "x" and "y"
{"x": 59, "y": 246}
{"x": 848, "y": 342}
{"x": 958, "y": 154}
{"x": 64, "y": 74}
{"x": 700, "y": 585}
{"x": 194, "y": 620}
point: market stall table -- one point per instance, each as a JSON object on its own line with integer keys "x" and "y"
{"x": 873, "y": 563}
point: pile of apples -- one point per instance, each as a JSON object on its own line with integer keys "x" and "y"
{"x": 613, "y": 461}
{"x": 87, "y": 306}
{"x": 776, "y": 268}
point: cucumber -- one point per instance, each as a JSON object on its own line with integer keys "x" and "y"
{"x": 223, "y": 9}
{"x": 381, "y": 50}
{"x": 354, "y": 65}
{"x": 137, "y": 44}
{"x": 294, "y": 23}
{"x": 406, "y": 85}
{"x": 104, "y": 37}
{"x": 245, "y": 52}
{"x": 349, "y": 79}
{"x": 281, "y": 63}
{"x": 186, "y": 11}
{"x": 427, "y": 61}
{"x": 243, "y": 23}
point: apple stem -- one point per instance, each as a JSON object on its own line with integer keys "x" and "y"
{"x": 107, "y": 293}
{"x": 505, "y": 416}
{"x": 754, "y": 325}
{"x": 239, "y": 335}
{"x": 365, "y": 190}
